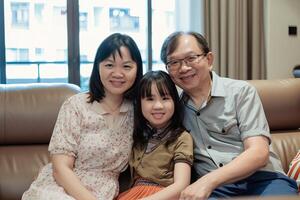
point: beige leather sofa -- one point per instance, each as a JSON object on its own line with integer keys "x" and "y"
{"x": 281, "y": 102}
{"x": 28, "y": 114}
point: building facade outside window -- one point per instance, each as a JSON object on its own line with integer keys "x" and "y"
{"x": 36, "y": 34}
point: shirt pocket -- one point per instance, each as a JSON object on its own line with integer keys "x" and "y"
{"x": 228, "y": 129}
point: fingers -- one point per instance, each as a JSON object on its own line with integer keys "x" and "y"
{"x": 189, "y": 194}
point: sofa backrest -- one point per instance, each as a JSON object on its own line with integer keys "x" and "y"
{"x": 29, "y": 111}
{"x": 281, "y": 103}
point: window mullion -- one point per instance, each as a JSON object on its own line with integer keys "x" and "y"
{"x": 73, "y": 41}
{"x": 2, "y": 45}
{"x": 149, "y": 34}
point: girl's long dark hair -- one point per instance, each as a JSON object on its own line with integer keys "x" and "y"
{"x": 142, "y": 132}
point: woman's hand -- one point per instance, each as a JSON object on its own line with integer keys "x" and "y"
{"x": 66, "y": 178}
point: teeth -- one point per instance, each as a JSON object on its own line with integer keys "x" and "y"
{"x": 116, "y": 83}
{"x": 187, "y": 77}
{"x": 158, "y": 115}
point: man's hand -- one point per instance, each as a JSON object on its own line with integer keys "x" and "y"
{"x": 200, "y": 190}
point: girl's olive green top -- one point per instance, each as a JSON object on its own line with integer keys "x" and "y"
{"x": 157, "y": 165}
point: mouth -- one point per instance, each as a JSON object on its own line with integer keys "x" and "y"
{"x": 187, "y": 77}
{"x": 117, "y": 83}
{"x": 157, "y": 115}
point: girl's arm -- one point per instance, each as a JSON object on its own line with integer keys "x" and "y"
{"x": 65, "y": 177}
{"x": 182, "y": 176}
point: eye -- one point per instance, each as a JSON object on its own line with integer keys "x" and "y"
{"x": 166, "y": 98}
{"x": 191, "y": 58}
{"x": 127, "y": 66}
{"x": 173, "y": 62}
{"x": 108, "y": 65}
{"x": 148, "y": 98}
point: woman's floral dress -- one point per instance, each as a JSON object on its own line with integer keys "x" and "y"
{"x": 100, "y": 144}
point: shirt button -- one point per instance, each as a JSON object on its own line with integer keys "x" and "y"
{"x": 223, "y": 131}
{"x": 221, "y": 165}
{"x": 198, "y": 113}
{"x": 209, "y": 147}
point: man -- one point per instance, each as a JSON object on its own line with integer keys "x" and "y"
{"x": 232, "y": 151}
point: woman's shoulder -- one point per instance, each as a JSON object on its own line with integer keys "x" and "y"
{"x": 76, "y": 100}
{"x": 80, "y": 97}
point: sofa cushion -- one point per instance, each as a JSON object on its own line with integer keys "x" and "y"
{"x": 286, "y": 145}
{"x": 19, "y": 167}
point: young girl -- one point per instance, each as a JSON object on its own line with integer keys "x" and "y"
{"x": 92, "y": 138}
{"x": 162, "y": 152}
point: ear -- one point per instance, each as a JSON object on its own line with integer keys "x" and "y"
{"x": 210, "y": 59}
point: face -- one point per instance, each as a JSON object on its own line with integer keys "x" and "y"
{"x": 118, "y": 74}
{"x": 190, "y": 77}
{"x": 157, "y": 109}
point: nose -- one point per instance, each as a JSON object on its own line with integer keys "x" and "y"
{"x": 118, "y": 72}
{"x": 158, "y": 105}
{"x": 184, "y": 67}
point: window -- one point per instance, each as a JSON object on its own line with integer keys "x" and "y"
{"x": 121, "y": 20}
{"x": 23, "y": 54}
{"x": 83, "y": 20}
{"x": 98, "y": 16}
{"x": 59, "y": 17}
{"x": 35, "y": 52}
{"x": 36, "y": 36}
{"x": 20, "y": 15}
{"x": 61, "y": 55}
{"x": 14, "y": 54}
{"x": 38, "y": 12}
{"x": 39, "y": 52}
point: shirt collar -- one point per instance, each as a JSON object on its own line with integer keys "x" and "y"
{"x": 218, "y": 89}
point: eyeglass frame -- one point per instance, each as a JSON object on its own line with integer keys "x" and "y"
{"x": 184, "y": 60}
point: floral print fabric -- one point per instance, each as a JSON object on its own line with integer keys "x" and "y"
{"x": 101, "y": 149}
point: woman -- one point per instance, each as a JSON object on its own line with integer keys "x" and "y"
{"x": 92, "y": 138}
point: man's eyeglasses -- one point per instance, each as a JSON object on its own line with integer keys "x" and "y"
{"x": 174, "y": 65}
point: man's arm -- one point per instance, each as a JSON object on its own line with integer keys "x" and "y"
{"x": 254, "y": 157}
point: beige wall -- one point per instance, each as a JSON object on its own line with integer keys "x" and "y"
{"x": 283, "y": 51}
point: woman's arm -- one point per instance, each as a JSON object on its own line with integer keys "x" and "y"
{"x": 65, "y": 177}
{"x": 182, "y": 176}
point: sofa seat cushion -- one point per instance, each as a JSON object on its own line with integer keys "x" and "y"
{"x": 19, "y": 167}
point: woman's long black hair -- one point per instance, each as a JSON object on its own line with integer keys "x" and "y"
{"x": 111, "y": 46}
{"x": 142, "y": 132}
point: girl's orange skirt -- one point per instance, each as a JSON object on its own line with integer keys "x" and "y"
{"x": 138, "y": 192}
